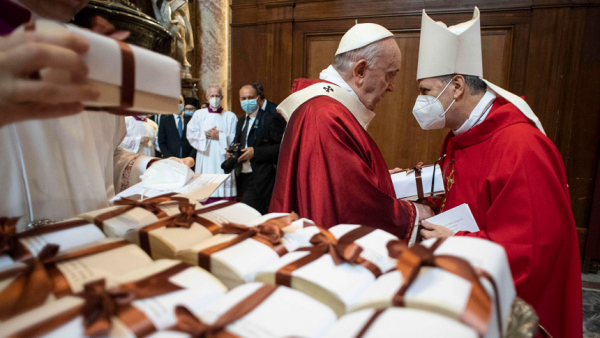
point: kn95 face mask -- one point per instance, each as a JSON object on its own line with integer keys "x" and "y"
{"x": 215, "y": 102}
{"x": 167, "y": 175}
{"x": 429, "y": 112}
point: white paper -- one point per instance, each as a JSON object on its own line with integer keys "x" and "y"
{"x": 199, "y": 188}
{"x": 329, "y": 283}
{"x": 285, "y": 313}
{"x": 102, "y": 265}
{"x": 65, "y": 239}
{"x": 399, "y": 322}
{"x": 456, "y": 219}
{"x": 406, "y": 185}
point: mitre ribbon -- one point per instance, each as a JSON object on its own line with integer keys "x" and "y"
{"x": 477, "y": 311}
{"x": 342, "y": 250}
{"x": 188, "y": 215}
{"x": 268, "y": 233}
{"x": 150, "y": 204}
{"x": 38, "y": 277}
{"x": 188, "y": 323}
{"x": 102, "y": 304}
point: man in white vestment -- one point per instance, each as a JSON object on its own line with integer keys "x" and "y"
{"x": 142, "y": 134}
{"x": 54, "y": 167}
{"x": 210, "y": 131}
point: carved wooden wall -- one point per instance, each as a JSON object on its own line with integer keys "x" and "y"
{"x": 546, "y": 50}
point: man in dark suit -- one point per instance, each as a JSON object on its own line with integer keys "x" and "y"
{"x": 172, "y": 135}
{"x": 263, "y": 103}
{"x": 260, "y": 133}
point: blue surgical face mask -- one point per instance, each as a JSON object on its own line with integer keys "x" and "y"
{"x": 249, "y": 106}
{"x": 189, "y": 112}
{"x": 180, "y": 108}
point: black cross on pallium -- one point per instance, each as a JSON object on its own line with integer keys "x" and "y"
{"x": 328, "y": 89}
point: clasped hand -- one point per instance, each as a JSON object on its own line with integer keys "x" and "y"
{"x": 23, "y": 96}
{"x": 212, "y": 134}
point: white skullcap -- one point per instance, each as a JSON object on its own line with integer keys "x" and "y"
{"x": 361, "y": 35}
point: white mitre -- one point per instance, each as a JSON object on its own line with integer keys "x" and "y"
{"x": 361, "y": 35}
{"x": 457, "y": 50}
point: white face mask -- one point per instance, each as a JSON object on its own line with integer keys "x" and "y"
{"x": 167, "y": 175}
{"x": 429, "y": 112}
{"x": 215, "y": 102}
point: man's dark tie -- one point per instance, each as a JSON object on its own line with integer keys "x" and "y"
{"x": 245, "y": 133}
{"x": 180, "y": 129}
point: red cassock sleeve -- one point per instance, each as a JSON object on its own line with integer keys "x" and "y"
{"x": 331, "y": 171}
{"x": 527, "y": 210}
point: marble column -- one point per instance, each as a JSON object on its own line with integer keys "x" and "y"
{"x": 213, "y": 55}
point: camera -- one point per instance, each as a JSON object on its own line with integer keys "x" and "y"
{"x": 235, "y": 149}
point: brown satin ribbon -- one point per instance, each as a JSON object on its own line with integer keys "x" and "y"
{"x": 150, "y": 204}
{"x": 185, "y": 219}
{"x": 102, "y": 304}
{"x": 268, "y": 233}
{"x": 188, "y": 323}
{"x": 410, "y": 261}
{"x": 342, "y": 250}
{"x": 9, "y": 240}
{"x": 103, "y": 27}
{"x": 369, "y": 323}
{"x": 40, "y": 277}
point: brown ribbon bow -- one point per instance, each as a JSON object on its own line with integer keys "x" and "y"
{"x": 102, "y": 304}
{"x": 343, "y": 250}
{"x": 188, "y": 215}
{"x": 31, "y": 286}
{"x": 410, "y": 261}
{"x": 269, "y": 233}
{"x": 39, "y": 277}
{"x": 188, "y": 323}
{"x": 150, "y": 204}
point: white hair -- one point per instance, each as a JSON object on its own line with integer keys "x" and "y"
{"x": 215, "y": 86}
{"x": 371, "y": 52}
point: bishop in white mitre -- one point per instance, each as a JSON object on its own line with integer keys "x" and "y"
{"x": 211, "y": 130}
{"x": 141, "y": 135}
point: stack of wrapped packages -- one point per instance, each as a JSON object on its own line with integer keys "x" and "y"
{"x": 168, "y": 266}
{"x": 95, "y": 276}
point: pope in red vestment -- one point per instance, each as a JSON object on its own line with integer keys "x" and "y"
{"x": 331, "y": 171}
{"x": 513, "y": 178}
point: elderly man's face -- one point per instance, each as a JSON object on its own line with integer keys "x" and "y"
{"x": 379, "y": 78}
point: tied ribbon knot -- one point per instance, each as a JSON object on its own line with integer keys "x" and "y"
{"x": 342, "y": 250}
{"x": 31, "y": 286}
{"x": 417, "y": 168}
{"x": 269, "y": 233}
{"x": 325, "y": 243}
{"x": 100, "y": 306}
{"x": 188, "y": 323}
{"x": 186, "y": 217}
{"x": 478, "y": 309}
{"x": 127, "y": 204}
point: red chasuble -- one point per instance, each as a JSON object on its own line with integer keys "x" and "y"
{"x": 331, "y": 171}
{"x": 513, "y": 178}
